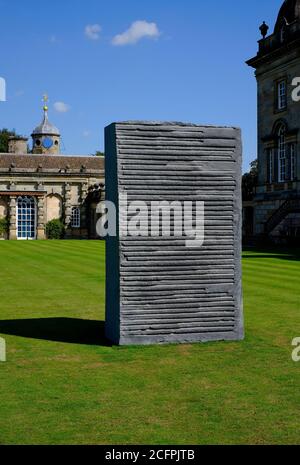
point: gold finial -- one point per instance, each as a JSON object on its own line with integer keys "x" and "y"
{"x": 45, "y": 100}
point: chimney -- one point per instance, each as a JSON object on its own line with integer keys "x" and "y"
{"x": 17, "y": 145}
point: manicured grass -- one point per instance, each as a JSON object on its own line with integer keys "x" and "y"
{"x": 59, "y": 387}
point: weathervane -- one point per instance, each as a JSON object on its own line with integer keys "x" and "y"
{"x": 45, "y": 100}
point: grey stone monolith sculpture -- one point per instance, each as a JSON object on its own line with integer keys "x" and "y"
{"x": 166, "y": 283}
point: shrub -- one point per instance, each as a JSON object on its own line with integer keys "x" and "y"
{"x": 4, "y": 226}
{"x": 55, "y": 229}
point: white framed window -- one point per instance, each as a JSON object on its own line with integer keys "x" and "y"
{"x": 281, "y": 154}
{"x": 75, "y": 219}
{"x": 271, "y": 166}
{"x": 293, "y": 161}
{"x": 281, "y": 95}
{"x": 26, "y": 218}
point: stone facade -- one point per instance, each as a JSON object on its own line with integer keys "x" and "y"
{"x": 36, "y": 188}
{"x": 57, "y": 188}
{"x": 277, "y": 64}
{"x": 17, "y": 144}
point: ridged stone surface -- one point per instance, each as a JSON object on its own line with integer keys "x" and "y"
{"x": 158, "y": 290}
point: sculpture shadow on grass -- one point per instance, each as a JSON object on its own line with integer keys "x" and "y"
{"x": 68, "y": 330}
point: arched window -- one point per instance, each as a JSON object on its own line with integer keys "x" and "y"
{"x": 271, "y": 165}
{"x": 53, "y": 207}
{"x": 3, "y": 208}
{"x": 75, "y": 219}
{"x": 293, "y": 161}
{"x": 26, "y": 218}
{"x": 281, "y": 154}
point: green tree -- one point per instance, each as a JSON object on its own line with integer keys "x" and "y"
{"x": 55, "y": 229}
{"x": 5, "y": 134}
{"x": 249, "y": 181}
{"x": 4, "y": 226}
{"x": 98, "y": 154}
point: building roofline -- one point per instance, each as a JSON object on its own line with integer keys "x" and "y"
{"x": 261, "y": 58}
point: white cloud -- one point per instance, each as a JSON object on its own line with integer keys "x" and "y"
{"x": 61, "y": 107}
{"x": 137, "y": 31}
{"x": 86, "y": 133}
{"x": 92, "y": 31}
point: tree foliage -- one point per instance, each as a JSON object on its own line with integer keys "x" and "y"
{"x": 98, "y": 154}
{"x": 5, "y": 134}
{"x": 4, "y": 226}
{"x": 249, "y": 181}
{"x": 55, "y": 229}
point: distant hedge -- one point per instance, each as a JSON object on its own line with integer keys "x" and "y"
{"x": 55, "y": 229}
{"x": 4, "y": 226}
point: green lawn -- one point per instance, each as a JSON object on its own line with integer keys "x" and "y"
{"x": 62, "y": 384}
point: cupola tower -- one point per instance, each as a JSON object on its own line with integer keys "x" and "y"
{"x": 46, "y": 137}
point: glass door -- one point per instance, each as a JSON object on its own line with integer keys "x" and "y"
{"x": 26, "y": 218}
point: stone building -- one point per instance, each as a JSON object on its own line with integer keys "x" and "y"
{"x": 44, "y": 185}
{"x": 277, "y": 63}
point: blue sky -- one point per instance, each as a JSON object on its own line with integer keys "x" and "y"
{"x": 189, "y": 66}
